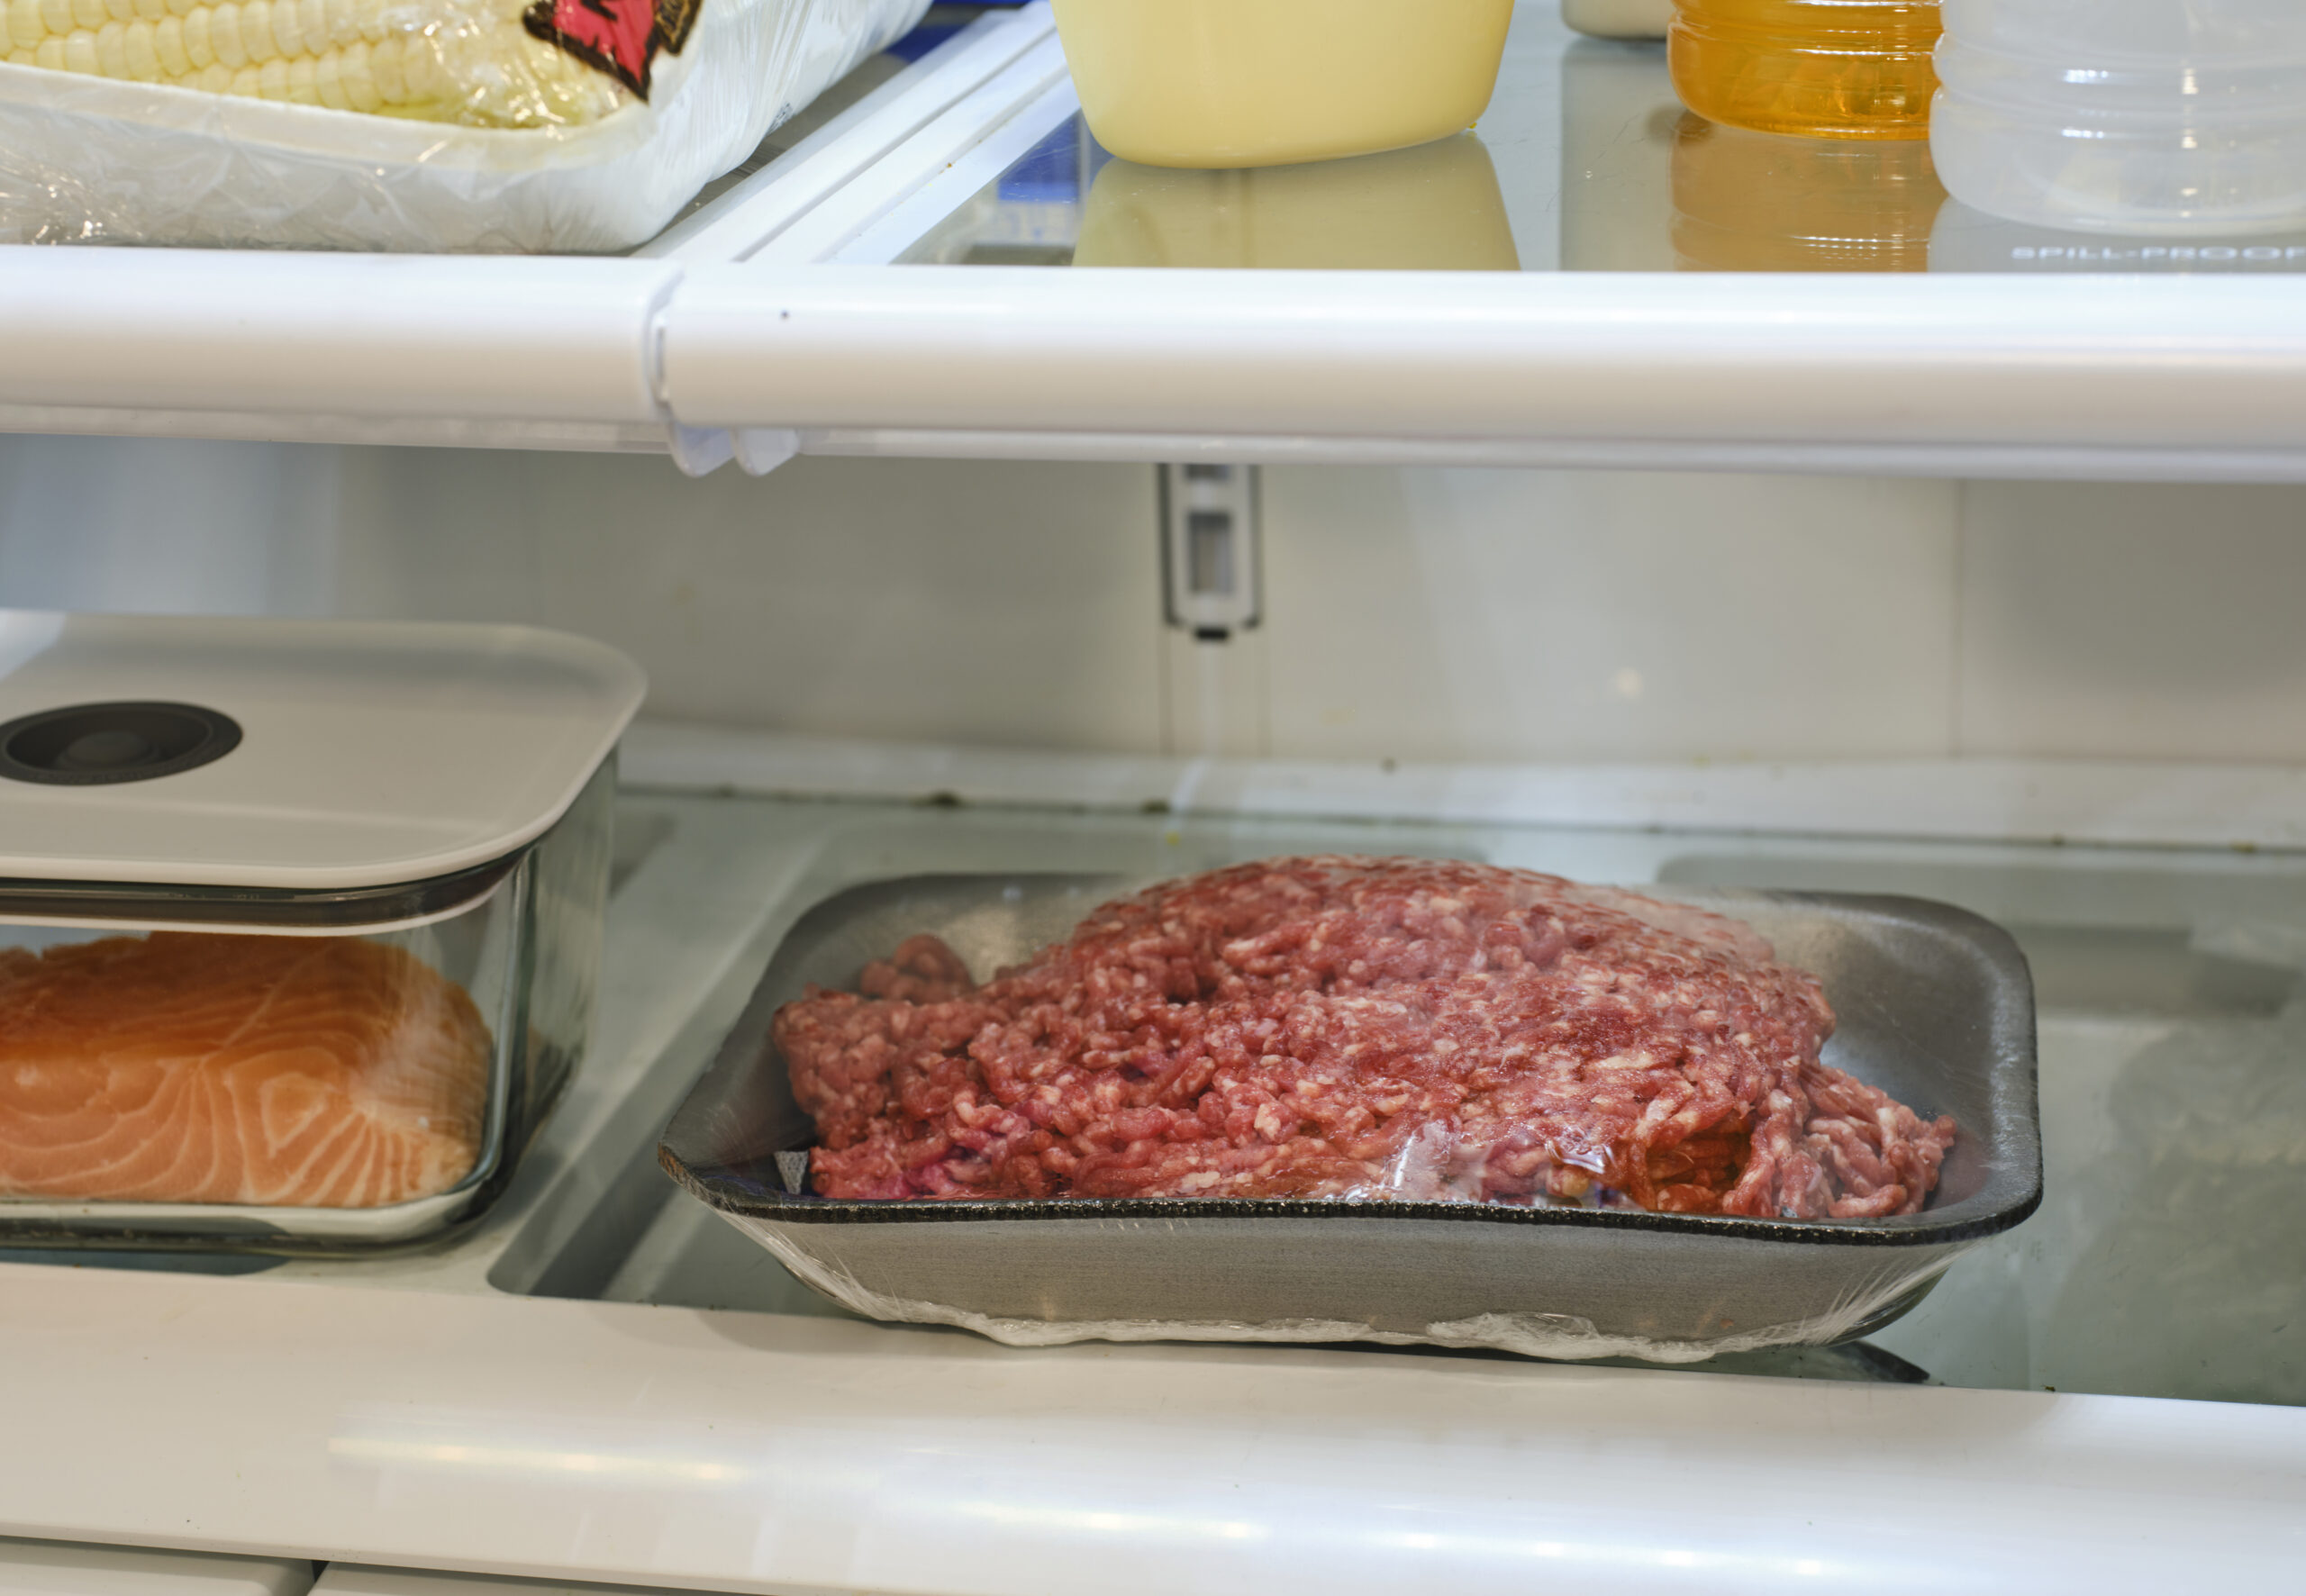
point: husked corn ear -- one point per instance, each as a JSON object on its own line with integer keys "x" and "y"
{"x": 468, "y": 62}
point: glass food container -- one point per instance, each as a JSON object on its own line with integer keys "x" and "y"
{"x": 1256, "y": 83}
{"x": 300, "y": 922}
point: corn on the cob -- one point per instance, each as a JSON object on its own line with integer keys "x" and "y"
{"x": 464, "y": 61}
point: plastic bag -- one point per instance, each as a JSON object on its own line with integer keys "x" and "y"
{"x": 508, "y": 132}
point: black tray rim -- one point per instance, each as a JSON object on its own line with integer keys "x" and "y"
{"x": 2015, "y": 1027}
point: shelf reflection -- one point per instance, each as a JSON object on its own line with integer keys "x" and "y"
{"x": 1967, "y": 240}
{"x": 1641, "y": 184}
{"x": 1765, "y": 202}
{"x": 1437, "y": 207}
{"x": 1649, "y": 186}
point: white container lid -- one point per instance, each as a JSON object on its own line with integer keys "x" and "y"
{"x": 370, "y": 754}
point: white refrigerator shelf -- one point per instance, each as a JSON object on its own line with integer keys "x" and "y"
{"x": 857, "y": 295}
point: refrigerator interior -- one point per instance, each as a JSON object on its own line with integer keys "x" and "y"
{"x": 1415, "y": 621}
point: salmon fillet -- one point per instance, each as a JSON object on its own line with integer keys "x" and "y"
{"x": 282, "y": 1071}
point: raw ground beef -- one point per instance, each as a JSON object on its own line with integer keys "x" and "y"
{"x": 1349, "y": 1028}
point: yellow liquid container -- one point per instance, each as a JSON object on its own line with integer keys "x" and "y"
{"x": 1260, "y": 83}
{"x": 1825, "y": 68}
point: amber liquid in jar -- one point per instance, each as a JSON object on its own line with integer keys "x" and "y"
{"x": 1826, "y": 69}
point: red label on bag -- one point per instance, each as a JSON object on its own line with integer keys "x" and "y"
{"x": 619, "y": 37}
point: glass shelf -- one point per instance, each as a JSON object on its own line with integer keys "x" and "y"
{"x": 2171, "y": 985}
{"x": 511, "y": 1396}
{"x": 726, "y": 339}
{"x": 1585, "y": 161}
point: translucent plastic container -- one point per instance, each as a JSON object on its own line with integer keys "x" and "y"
{"x": 2141, "y": 117}
{"x": 1256, "y": 83}
{"x": 299, "y": 922}
{"x": 1824, "y": 69}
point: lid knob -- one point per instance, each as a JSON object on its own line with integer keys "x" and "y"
{"x": 107, "y": 750}
{"x": 96, "y": 744}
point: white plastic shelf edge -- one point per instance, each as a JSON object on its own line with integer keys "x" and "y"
{"x": 732, "y": 1452}
{"x": 472, "y": 338}
{"x": 2131, "y": 377}
{"x": 646, "y": 438}
{"x": 1756, "y": 361}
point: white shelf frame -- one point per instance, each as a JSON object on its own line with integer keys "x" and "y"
{"x": 663, "y": 1447}
{"x": 768, "y": 324}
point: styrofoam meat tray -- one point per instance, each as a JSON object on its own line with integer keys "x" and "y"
{"x": 1934, "y": 1006}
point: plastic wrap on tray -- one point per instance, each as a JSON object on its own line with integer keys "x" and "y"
{"x": 440, "y": 125}
{"x": 1934, "y": 1010}
{"x": 1364, "y": 1028}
